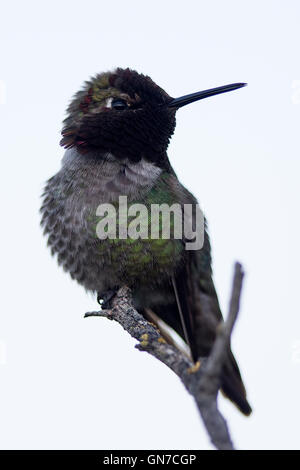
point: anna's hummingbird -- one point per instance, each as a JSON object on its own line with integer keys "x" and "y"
{"x": 116, "y": 135}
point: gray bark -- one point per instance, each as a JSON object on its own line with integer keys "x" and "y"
{"x": 201, "y": 381}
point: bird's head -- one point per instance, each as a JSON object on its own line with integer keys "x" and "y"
{"x": 125, "y": 113}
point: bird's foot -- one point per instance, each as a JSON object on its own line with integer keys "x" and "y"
{"x": 105, "y": 298}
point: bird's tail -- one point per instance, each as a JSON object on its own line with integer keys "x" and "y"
{"x": 232, "y": 385}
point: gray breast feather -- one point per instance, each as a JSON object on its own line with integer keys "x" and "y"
{"x": 72, "y": 196}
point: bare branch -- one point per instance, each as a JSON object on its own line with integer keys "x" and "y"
{"x": 201, "y": 381}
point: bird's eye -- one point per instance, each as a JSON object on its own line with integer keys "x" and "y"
{"x": 119, "y": 104}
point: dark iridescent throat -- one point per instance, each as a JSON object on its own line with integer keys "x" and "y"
{"x": 142, "y": 131}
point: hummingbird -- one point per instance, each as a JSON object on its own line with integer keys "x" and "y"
{"x": 116, "y": 134}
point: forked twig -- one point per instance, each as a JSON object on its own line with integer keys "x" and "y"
{"x": 202, "y": 382}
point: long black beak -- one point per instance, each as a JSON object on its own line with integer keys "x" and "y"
{"x": 200, "y": 95}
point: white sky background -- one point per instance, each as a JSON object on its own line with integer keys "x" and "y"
{"x": 69, "y": 382}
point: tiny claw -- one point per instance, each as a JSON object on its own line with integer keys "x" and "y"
{"x": 105, "y": 298}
